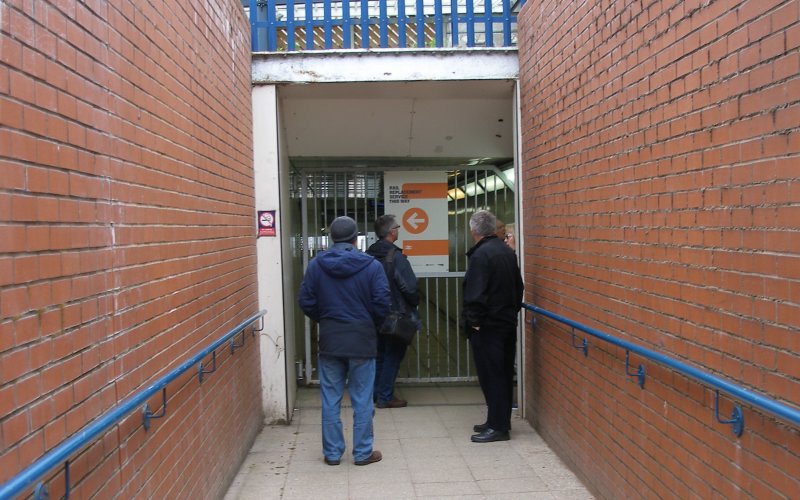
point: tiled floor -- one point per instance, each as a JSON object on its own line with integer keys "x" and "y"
{"x": 426, "y": 450}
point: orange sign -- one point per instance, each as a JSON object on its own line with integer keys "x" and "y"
{"x": 412, "y": 248}
{"x": 415, "y": 220}
{"x": 425, "y": 190}
{"x": 419, "y": 200}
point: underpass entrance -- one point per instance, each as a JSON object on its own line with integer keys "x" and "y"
{"x": 440, "y": 353}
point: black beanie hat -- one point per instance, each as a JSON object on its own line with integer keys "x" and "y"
{"x": 343, "y": 229}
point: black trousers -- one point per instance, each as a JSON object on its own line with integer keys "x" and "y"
{"x": 494, "y": 351}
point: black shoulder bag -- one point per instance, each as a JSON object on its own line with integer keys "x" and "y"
{"x": 397, "y": 325}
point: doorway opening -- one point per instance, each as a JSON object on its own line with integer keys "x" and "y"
{"x": 439, "y": 353}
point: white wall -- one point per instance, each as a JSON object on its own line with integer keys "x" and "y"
{"x": 385, "y": 65}
{"x": 270, "y": 259}
{"x": 286, "y": 214}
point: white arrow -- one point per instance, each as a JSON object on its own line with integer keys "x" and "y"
{"x": 413, "y": 221}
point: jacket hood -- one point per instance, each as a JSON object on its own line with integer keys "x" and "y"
{"x": 380, "y": 248}
{"x": 343, "y": 262}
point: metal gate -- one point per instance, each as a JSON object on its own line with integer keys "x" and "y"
{"x": 439, "y": 353}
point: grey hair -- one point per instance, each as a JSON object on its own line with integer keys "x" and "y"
{"x": 483, "y": 222}
{"x": 384, "y": 224}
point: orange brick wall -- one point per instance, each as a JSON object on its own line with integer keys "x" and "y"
{"x": 661, "y": 170}
{"x": 126, "y": 238}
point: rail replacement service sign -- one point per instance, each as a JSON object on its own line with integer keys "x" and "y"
{"x": 419, "y": 201}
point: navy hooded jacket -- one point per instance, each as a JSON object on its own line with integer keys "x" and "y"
{"x": 347, "y": 293}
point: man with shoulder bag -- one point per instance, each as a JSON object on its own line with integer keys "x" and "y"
{"x": 403, "y": 322}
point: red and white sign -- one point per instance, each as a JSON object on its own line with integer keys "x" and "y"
{"x": 266, "y": 223}
{"x": 419, "y": 200}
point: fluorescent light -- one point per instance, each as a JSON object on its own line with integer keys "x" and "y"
{"x": 456, "y": 194}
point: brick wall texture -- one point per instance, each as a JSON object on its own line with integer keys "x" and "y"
{"x": 661, "y": 178}
{"x": 126, "y": 239}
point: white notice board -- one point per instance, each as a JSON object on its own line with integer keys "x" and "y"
{"x": 419, "y": 201}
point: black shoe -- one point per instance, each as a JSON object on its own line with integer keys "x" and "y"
{"x": 330, "y": 461}
{"x": 481, "y": 427}
{"x": 490, "y": 436}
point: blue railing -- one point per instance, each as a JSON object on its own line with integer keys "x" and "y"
{"x": 62, "y": 452}
{"x": 782, "y": 411}
{"x": 292, "y": 25}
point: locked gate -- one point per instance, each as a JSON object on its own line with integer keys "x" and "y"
{"x": 440, "y": 353}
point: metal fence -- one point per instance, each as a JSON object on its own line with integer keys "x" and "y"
{"x": 297, "y": 25}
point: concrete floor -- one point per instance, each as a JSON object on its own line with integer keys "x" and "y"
{"x": 426, "y": 450}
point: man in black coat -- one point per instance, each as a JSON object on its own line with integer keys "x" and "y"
{"x": 492, "y": 299}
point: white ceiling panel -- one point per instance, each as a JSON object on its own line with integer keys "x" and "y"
{"x": 398, "y": 119}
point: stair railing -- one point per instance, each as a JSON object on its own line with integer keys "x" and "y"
{"x": 776, "y": 408}
{"x": 63, "y": 451}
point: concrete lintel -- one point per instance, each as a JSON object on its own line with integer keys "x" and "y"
{"x": 384, "y": 65}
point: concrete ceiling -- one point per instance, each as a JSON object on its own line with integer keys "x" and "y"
{"x": 384, "y": 123}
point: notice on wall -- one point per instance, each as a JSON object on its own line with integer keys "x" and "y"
{"x": 419, "y": 201}
{"x": 266, "y": 223}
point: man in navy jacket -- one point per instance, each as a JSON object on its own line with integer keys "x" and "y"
{"x": 346, "y": 292}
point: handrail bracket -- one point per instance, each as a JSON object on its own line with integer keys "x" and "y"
{"x": 202, "y": 372}
{"x": 583, "y": 345}
{"x": 640, "y": 373}
{"x": 147, "y": 414}
{"x": 41, "y": 492}
{"x": 737, "y": 417}
{"x": 234, "y": 345}
{"x": 255, "y": 330}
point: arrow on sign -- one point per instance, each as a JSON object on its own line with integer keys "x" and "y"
{"x": 413, "y": 221}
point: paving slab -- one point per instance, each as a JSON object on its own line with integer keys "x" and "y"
{"x": 427, "y": 454}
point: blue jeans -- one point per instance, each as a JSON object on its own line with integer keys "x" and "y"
{"x": 359, "y": 373}
{"x": 390, "y": 355}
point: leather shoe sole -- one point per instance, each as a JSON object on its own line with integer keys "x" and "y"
{"x": 331, "y": 461}
{"x": 490, "y": 436}
{"x": 375, "y": 457}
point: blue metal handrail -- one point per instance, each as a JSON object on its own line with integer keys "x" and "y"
{"x": 273, "y": 23}
{"x": 785, "y": 412}
{"x": 60, "y": 453}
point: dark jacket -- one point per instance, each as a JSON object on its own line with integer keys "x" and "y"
{"x": 405, "y": 297}
{"x": 347, "y": 293}
{"x": 492, "y": 286}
